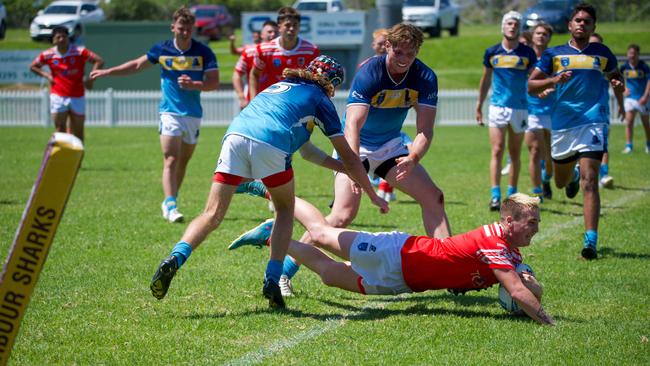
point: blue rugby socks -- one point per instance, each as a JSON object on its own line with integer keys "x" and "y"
{"x": 182, "y": 252}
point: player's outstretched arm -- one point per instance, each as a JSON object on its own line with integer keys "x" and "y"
{"x": 356, "y": 172}
{"x": 313, "y": 154}
{"x": 523, "y": 296}
{"x": 127, "y": 68}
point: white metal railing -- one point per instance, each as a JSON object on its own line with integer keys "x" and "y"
{"x": 140, "y": 108}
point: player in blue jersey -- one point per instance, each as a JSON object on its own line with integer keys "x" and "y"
{"x": 187, "y": 68}
{"x": 383, "y": 90}
{"x": 259, "y": 144}
{"x": 507, "y": 65}
{"x": 579, "y": 116}
{"x": 538, "y": 133}
{"x": 637, "y": 82}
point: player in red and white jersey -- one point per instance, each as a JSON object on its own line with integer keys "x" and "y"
{"x": 286, "y": 51}
{"x": 245, "y": 63}
{"x": 397, "y": 262}
{"x": 67, "y": 65}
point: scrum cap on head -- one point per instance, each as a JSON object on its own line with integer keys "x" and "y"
{"x": 328, "y": 67}
{"x": 511, "y": 15}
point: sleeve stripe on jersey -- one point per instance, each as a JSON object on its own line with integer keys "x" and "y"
{"x": 357, "y": 103}
{"x": 427, "y": 106}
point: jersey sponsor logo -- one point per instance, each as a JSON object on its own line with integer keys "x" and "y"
{"x": 477, "y": 280}
{"x": 634, "y": 74}
{"x": 509, "y": 62}
{"x": 181, "y": 63}
{"x": 579, "y": 62}
{"x": 595, "y": 140}
{"x": 402, "y": 98}
{"x": 277, "y": 62}
{"x": 357, "y": 95}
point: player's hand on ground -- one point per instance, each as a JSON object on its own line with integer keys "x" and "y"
{"x": 404, "y": 166}
{"x": 185, "y": 82}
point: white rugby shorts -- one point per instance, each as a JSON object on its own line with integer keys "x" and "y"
{"x": 183, "y": 126}
{"x": 571, "y": 141}
{"x": 390, "y": 150}
{"x": 501, "y": 117}
{"x": 59, "y": 104}
{"x": 377, "y": 259}
{"x": 538, "y": 122}
{"x": 245, "y": 157}
{"x": 632, "y": 105}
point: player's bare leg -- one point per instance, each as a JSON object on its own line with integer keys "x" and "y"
{"x": 535, "y": 142}
{"x": 76, "y": 125}
{"x": 60, "y": 120}
{"x": 645, "y": 121}
{"x": 171, "y": 148}
{"x": 346, "y": 202}
{"x": 497, "y": 143}
{"x": 514, "y": 150}
{"x": 186, "y": 152}
{"x": 419, "y": 185}
{"x": 629, "y": 131}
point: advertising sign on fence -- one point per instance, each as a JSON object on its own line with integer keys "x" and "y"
{"x": 14, "y": 67}
{"x": 342, "y": 28}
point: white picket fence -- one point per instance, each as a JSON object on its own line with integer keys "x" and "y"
{"x": 140, "y": 108}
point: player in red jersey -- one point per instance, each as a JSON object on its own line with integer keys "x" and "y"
{"x": 245, "y": 63}
{"x": 67, "y": 63}
{"x": 396, "y": 262}
{"x": 286, "y": 51}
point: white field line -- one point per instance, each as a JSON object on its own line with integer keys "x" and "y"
{"x": 258, "y": 356}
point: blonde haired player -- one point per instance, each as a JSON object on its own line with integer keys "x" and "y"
{"x": 396, "y": 262}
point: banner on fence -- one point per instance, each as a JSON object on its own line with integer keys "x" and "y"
{"x": 14, "y": 67}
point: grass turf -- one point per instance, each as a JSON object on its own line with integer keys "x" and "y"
{"x": 92, "y": 304}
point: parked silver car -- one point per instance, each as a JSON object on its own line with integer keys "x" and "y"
{"x": 432, "y": 16}
{"x": 72, "y": 14}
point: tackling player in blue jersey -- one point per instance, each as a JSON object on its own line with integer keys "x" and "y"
{"x": 259, "y": 144}
{"x": 507, "y": 65}
{"x": 579, "y": 116}
{"x": 187, "y": 67}
{"x": 383, "y": 90}
{"x": 637, "y": 93}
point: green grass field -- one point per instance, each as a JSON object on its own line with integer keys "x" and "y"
{"x": 456, "y": 60}
{"x": 92, "y": 304}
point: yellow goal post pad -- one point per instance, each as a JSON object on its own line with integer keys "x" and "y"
{"x": 35, "y": 233}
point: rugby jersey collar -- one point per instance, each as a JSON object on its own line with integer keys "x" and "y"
{"x": 576, "y": 48}
{"x": 178, "y": 48}
{"x": 390, "y": 76}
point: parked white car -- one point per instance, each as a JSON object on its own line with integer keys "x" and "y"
{"x": 70, "y": 14}
{"x": 3, "y": 20}
{"x": 330, "y": 6}
{"x": 432, "y": 16}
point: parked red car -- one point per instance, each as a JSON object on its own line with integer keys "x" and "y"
{"x": 212, "y": 21}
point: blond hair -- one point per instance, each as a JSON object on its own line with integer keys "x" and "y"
{"x": 321, "y": 80}
{"x": 407, "y": 34}
{"x": 380, "y": 32}
{"x": 516, "y": 204}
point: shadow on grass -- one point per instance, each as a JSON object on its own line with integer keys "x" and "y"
{"x": 610, "y": 252}
{"x": 9, "y": 202}
{"x": 633, "y": 189}
{"x": 375, "y": 309}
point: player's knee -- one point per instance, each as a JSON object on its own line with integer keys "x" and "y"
{"x": 589, "y": 182}
{"x": 170, "y": 160}
{"x": 341, "y": 219}
{"x": 328, "y": 276}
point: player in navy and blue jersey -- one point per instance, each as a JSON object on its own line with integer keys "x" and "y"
{"x": 506, "y": 68}
{"x": 187, "y": 68}
{"x": 637, "y": 82}
{"x": 580, "y": 115}
{"x": 538, "y": 133}
{"x": 259, "y": 145}
{"x": 383, "y": 90}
